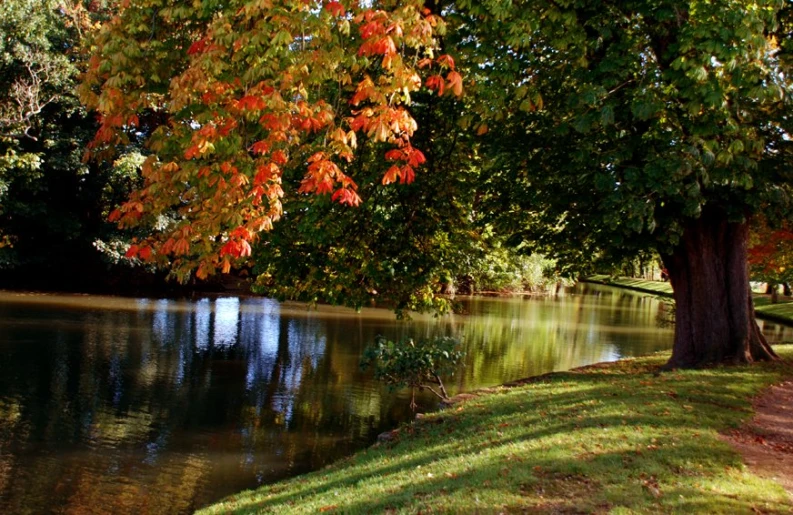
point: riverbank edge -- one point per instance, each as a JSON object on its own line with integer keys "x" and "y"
{"x": 567, "y": 451}
{"x": 664, "y": 289}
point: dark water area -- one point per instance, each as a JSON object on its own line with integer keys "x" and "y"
{"x": 114, "y": 405}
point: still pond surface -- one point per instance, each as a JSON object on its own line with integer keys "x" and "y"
{"x": 163, "y": 406}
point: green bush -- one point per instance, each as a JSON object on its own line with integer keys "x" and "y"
{"x": 418, "y": 365}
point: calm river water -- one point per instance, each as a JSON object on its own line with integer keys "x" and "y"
{"x": 162, "y": 406}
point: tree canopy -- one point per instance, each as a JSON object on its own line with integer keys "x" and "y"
{"x": 233, "y": 95}
{"x": 623, "y": 126}
{"x": 598, "y": 130}
{"x": 53, "y": 207}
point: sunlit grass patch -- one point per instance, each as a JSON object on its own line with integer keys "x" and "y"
{"x": 616, "y": 437}
{"x": 659, "y": 287}
{"x": 782, "y": 311}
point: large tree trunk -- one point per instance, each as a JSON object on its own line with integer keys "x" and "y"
{"x": 714, "y": 312}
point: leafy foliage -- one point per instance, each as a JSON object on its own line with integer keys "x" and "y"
{"x": 399, "y": 247}
{"x": 771, "y": 252}
{"x": 52, "y": 205}
{"x": 617, "y": 122}
{"x": 414, "y": 364}
{"x": 244, "y": 91}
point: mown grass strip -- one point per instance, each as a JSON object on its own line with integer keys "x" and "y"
{"x": 614, "y": 437}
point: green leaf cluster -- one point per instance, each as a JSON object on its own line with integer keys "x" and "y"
{"x": 413, "y": 364}
{"x": 612, "y": 123}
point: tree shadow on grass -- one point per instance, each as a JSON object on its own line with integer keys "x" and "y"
{"x": 513, "y": 449}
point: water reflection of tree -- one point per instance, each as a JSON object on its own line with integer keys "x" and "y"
{"x": 547, "y": 334}
{"x": 188, "y": 401}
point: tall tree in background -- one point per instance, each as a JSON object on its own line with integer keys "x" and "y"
{"x": 623, "y": 126}
{"x": 771, "y": 254}
{"x": 52, "y": 206}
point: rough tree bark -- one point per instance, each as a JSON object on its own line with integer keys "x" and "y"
{"x": 714, "y": 315}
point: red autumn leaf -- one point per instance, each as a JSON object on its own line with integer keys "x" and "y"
{"x": 408, "y": 175}
{"x": 241, "y": 233}
{"x": 435, "y": 82}
{"x": 192, "y": 152}
{"x": 228, "y": 125}
{"x": 346, "y": 196}
{"x": 144, "y": 253}
{"x": 455, "y": 83}
{"x": 260, "y": 147}
{"x": 416, "y": 157}
{"x": 423, "y": 63}
{"x": 231, "y": 248}
{"x": 335, "y": 9}
{"x": 371, "y": 29}
{"x": 181, "y": 247}
{"x": 385, "y": 46}
{"x": 250, "y": 102}
{"x": 197, "y": 47}
{"x": 394, "y": 154}
{"x": 324, "y": 186}
{"x": 316, "y": 157}
{"x": 131, "y": 252}
{"x": 360, "y": 122}
{"x": 272, "y": 122}
{"x": 279, "y": 157}
{"x": 446, "y": 60}
{"x": 391, "y": 175}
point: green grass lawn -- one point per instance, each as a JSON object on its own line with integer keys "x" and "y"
{"x": 607, "y": 438}
{"x": 661, "y": 288}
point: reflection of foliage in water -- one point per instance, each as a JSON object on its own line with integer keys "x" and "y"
{"x": 515, "y": 338}
{"x": 666, "y": 312}
{"x": 179, "y": 403}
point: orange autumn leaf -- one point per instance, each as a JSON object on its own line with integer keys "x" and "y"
{"x": 454, "y": 81}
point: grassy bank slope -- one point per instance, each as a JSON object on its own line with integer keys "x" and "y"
{"x": 781, "y": 312}
{"x": 607, "y": 437}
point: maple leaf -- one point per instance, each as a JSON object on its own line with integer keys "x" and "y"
{"x": 408, "y": 175}
{"x": 335, "y": 9}
{"x": 394, "y": 154}
{"x": 435, "y": 82}
{"x": 346, "y": 196}
{"x": 231, "y": 248}
{"x": 391, "y": 175}
{"x": 446, "y": 60}
{"x": 372, "y": 28}
{"x": 144, "y": 253}
{"x": 132, "y": 251}
{"x": 455, "y": 83}
{"x": 416, "y": 157}
{"x": 197, "y": 47}
{"x": 260, "y": 147}
{"x": 181, "y": 247}
{"x": 279, "y": 157}
{"x": 423, "y": 63}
